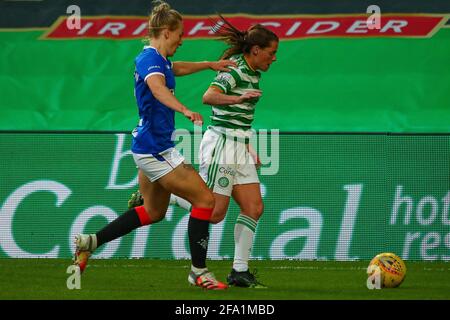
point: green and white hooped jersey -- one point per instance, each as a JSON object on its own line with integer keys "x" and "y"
{"x": 235, "y": 119}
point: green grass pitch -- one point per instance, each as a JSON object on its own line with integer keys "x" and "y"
{"x": 140, "y": 279}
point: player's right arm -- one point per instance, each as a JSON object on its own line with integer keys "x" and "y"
{"x": 157, "y": 85}
{"x": 218, "y": 92}
{"x": 150, "y": 68}
{"x": 215, "y": 96}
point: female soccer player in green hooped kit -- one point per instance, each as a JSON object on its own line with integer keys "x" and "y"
{"x": 162, "y": 170}
{"x": 227, "y": 162}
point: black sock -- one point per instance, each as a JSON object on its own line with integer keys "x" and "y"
{"x": 198, "y": 232}
{"x": 123, "y": 225}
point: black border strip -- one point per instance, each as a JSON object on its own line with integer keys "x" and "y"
{"x": 26, "y": 14}
{"x": 344, "y": 133}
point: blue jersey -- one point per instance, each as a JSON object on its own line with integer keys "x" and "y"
{"x": 157, "y": 121}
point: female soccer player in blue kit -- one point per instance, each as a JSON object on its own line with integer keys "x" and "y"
{"x": 227, "y": 162}
{"x": 161, "y": 167}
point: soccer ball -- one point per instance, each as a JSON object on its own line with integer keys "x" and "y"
{"x": 390, "y": 269}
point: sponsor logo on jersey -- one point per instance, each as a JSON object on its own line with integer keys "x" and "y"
{"x": 153, "y": 67}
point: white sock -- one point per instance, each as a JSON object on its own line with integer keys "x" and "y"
{"x": 94, "y": 242}
{"x": 244, "y": 230}
{"x": 184, "y": 204}
{"x": 198, "y": 271}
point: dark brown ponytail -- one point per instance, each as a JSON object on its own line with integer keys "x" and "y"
{"x": 242, "y": 41}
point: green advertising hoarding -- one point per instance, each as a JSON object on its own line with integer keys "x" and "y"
{"x": 324, "y": 84}
{"x": 330, "y": 197}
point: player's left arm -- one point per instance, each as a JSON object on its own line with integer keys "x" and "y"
{"x": 182, "y": 68}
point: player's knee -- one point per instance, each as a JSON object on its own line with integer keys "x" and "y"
{"x": 207, "y": 200}
{"x": 154, "y": 214}
{"x": 217, "y": 216}
{"x": 255, "y": 210}
{"x": 158, "y": 218}
{"x": 260, "y": 209}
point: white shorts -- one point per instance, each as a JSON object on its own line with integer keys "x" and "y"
{"x": 154, "y": 167}
{"x": 225, "y": 162}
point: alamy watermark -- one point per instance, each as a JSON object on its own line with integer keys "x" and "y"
{"x": 374, "y": 21}
{"x": 74, "y": 280}
{"x": 227, "y": 146}
{"x": 374, "y": 277}
{"x": 73, "y": 22}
